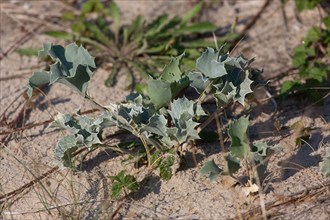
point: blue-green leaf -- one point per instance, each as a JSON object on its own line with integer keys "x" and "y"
{"x": 238, "y": 133}
{"x": 73, "y": 67}
{"x": 198, "y": 81}
{"x": 210, "y": 65}
{"x": 65, "y": 149}
{"x": 36, "y": 80}
{"x": 211, "y": 170}
{"x": 172, "y": 72}
{"x": 159, "y": 92}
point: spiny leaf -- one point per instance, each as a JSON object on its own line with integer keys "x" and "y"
{"x": 239, "y": 138}
{"x": 64, "y": 150}
{"x": 172, "y": 72}
{"x": 260, "y": 151}
{"x": 84, "y": 132}
{"x": 73, "y": 67}
{"x": 226, "y": 94}
{"x": 198, "y": 81}
{"x": 210, "y": 65}
{"x": 156, "y": 125}
{"x": 36, "y": 80}
{"x": 245, "y": 88}
{"x": 233, "y": 164}
{"x": 181, "y": 106}
{"x": 163, "y": 89}
{"x": 211, "y": 170}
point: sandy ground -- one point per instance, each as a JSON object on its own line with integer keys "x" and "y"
{"x": 295, "y": 187}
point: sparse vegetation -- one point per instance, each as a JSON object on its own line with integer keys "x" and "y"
{"x": 200, "y": 130}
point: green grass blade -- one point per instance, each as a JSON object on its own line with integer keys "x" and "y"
{"x": 192, "y": 12}
{"x": 28, "y": 51}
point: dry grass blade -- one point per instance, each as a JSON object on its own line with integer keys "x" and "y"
{"x": 298, "y": 197}
{"x": 44, "y": 175}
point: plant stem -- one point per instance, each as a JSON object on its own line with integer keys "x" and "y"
{"x": 219, "y": 130}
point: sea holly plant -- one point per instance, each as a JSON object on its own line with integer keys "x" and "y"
{"x": 85, "y": 132}
{"x": 255, "y": 156}
{"x": 226, "y": 78}
{"x": 162, "y": 121}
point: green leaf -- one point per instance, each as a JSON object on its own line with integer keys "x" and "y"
{"x": 192, "y": 12}
{"x": 172, "y": 72}
{"x": 178, "y": 86}
{"x": 182, "y": 106}
{"x": 325, "y": 164}
{"x": 164, "y": 160}
{"x": 326, "y": 21}
{"x": 211, "y": 170}
{"x": 200, "y": 27}
{"x": 121, "y": 183}
{"x": 98, "y": 34}
{"x": 239, "y": 138}
{"x": 91, "y": 6}
{"x": 313, "y": 35}
{"x": 317, "y": 73}
{"x": 159, "y": 92}
{"x": 264, "y": 150}
{"x": 78, "y": 27}
{"x": 141, "y": 88}
{"x": 116, "y": 190}
{"x": 27, "y": 51}
{"x": 165, "y": 167}
{"x": 84, "y": 131}
{"x": 306, "y": 4}
{"x": 60, "y": 35}
{"x": 233, "y": 164}
{"x": 288, "y": 86}
{"x": 156, "y": 26}
{"x": 111, "y": 80}
{"x": 115, "y": 14}
{"x": 68, "y": 16}
{"x": 209, "y": 64}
